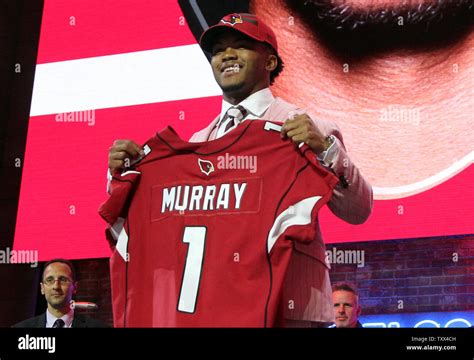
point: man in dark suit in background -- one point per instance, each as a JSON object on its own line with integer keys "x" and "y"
{"x": 58, "y": 285}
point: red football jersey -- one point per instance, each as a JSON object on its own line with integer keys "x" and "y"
{"x": 203, "y": 232}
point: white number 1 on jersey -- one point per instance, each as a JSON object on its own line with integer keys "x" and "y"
{"x": 195, "y": 236}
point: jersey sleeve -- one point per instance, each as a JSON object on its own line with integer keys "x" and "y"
{"x": 310, "y": 190}
{"x": 115, "y": 208}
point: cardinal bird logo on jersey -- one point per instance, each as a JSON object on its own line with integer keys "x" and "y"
{"x": 206, "y": 166}
{"x": 233, "y": 19}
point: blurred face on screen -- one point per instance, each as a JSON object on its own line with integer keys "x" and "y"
{"x": 58, "y": 287}
{"x": 241, "y": 66}
{"x": 346, "y": 308}
{"x": 401, "y": 94}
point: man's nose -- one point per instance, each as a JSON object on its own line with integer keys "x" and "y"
{"x": 229, "y": 53}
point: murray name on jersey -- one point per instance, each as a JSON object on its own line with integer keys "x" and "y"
{"x": 199, "y": 197}
{"x": 237, "y": 196}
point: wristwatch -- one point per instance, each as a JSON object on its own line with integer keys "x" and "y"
{"x": 331, "y": 139}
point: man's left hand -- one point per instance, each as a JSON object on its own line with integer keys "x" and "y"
{"x": 300, "y": 129}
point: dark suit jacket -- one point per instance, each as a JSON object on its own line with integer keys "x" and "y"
{"x": 79, "y": 321}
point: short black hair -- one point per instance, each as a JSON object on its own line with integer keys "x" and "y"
{"x": 60, "y": 260}
{"x": 353, "y": 32}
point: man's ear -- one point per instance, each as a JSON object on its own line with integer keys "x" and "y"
{"x": 359, "y": 310}
{"x": 42, "y": 288}
{"x": 271, "y": 63}
{"x": 75, "y": 288}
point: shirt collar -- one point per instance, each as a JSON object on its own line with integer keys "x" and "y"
{"x": 67, "y": 318}
{"x": 256, "y": 104}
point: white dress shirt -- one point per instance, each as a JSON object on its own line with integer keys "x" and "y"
{"x": 256, "y": 105}
{"x": 67, "y": 318}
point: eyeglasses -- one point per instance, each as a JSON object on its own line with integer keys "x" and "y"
{"x": 63, "y": 280}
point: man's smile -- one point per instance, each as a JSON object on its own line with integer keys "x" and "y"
{"x": 230, "y": 68}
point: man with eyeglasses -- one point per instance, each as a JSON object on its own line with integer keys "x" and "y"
{"x": 58, "y": 285}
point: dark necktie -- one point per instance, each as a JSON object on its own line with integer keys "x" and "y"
{"x": 231, "y": 119}
{"x": 59, "y": 323}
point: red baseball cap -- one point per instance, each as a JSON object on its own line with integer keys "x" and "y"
{"x": 247, "y": 24}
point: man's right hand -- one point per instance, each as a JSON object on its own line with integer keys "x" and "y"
{"x": 122, "y": 153}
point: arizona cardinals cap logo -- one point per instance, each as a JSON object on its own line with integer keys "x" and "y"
{"x": 206, "y": 166}
{"x": 233, "y": 19}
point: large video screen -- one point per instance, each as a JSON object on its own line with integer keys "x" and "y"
{"x": 110, "y": 70}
